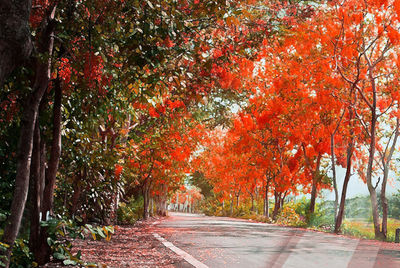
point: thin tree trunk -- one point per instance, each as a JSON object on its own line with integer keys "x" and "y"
{"x": 145, "y": 192}
{"x": 371, "y": 188}
{"x": 151, "y": 206}
{"x": 177, "y": 201}
{"x": 232, "y": 206}
{"x": 386, "y": 166}
{"x": 55, "y": 153}
{"x": 350, "y": 150}
{"x": 385, "y": 206}
{"x": 257, "y": 195}
{"x": 339, "y": 217}
{"x": 266, "y": 201}
{"x": 335, "y": 188}
{"x": 145, "y": 205}
{"x": 252, "y": 203}
{"x": 30, "y": 114}
{"x": 81, "y": 176}
{"x": 51, "y": 172}
{"x": 283, "y": 198}
{"x": 372, "y": 147}
{"x": 34, "y": 191}
{"x": 314, "y": 185}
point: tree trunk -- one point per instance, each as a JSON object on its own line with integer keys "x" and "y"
{"x": 15, "y": 35}
{"x": 277, "y": 205}
{"x": 81, "y": 176}
{"x": 177, "y": 201}
{"x": 339, "y": 217}
{"x": 257, "y": 196}
{"x": 161, "y": 203}
{"x": 145, "y": 205}
{"x": 231, "y": 206}
{"x": 145, "y": 192}
{"x": 55, "y": 153}
{"x": 335, "y": 188}
{"x": 252, "y": 203}
{"x": 371, "y": 188}
{"x": 314, "y": 185}
{"x": 35, "y": 191}
{"x": 266, "y": 201}
{"x": 375, "y": 214}
{"x": 29, "y": 117}
{"x": 350, "y": 150}
{"x": 283, "y": 199}
{"x": 386, "y": 166}
{"x": 151, "y": 206}
{"x": 51, "y": 172}
{"x": 384, "y": 201}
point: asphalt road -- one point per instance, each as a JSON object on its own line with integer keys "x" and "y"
{"x": 228, "y": 242}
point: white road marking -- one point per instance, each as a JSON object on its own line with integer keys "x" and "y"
{"x": 186, "y": 256}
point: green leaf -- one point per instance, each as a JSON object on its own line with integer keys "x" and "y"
{"x": 59, "y": 256}
{"x": 69, "y": 262}
{"x": 79, "y": 254}
{"x": 100, "y": 232}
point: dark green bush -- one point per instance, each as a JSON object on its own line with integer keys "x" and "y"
{"x": 129, "y": 213}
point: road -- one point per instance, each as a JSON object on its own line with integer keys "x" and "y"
{"x": 227, "y": 242}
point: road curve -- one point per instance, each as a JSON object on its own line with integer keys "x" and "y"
{"x": 227, "y": 242}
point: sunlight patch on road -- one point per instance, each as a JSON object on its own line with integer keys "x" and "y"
{"x": 186, "y": 256}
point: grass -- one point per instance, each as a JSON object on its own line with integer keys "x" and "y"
{"x": 364, "y": 229}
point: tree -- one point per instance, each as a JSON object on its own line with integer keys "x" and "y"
{"x": 15, "y": 38}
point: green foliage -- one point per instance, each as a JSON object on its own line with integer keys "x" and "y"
{"x": 212, "y": 207}
{"x": 322, "y": 217}
{"x": 129, "y": 213}
{"x": 197, "y": 179}
{"x": 394, "y": 205}
{"x": 358, "y": 207}
{"x": 8, "y": 148}
{"x": 302, "y": 207}
{"x": 61, "y": 230}
{"x": 3, "y": 248}
{"x": 21, "y": 255}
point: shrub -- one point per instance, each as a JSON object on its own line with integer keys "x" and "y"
{"x": 129, "y": 213}
{"x": 288, "y": 216}
{"x": 21, "y": 256}
{"x": 60, "y": 232}
{"x": 322, "y": 218}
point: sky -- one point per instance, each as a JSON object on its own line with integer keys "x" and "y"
{"x": 357, "y": 187}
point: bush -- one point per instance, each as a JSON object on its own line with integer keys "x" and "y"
{"x": 288, "y": 216}
{"x": 60, "y": 231}
{"x": 21, "y": 255}
{"x": 129, "y": 213}
{"x": 322, "y": 217}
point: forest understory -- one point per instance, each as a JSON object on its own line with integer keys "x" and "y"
{"x": 130, "y": 246}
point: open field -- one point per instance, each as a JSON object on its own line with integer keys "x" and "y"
{"x": 364, "y": 229}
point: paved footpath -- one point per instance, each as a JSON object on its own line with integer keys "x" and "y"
{"x": 226, "y": 242}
